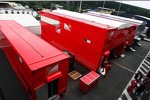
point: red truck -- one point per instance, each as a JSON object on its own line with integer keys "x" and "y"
{"x": 41, "y": 68}
{"x": 88, "y": 38}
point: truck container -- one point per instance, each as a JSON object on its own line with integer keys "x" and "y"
{"x": 88, "y": 38}
{"x": 41, "y": 68}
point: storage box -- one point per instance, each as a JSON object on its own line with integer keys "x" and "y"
{"x": 89, "y": 81}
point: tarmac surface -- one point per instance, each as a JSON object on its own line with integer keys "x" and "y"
{"x": 109, "y": 88}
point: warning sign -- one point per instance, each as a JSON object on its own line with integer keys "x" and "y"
{"x": 67, "y": 27}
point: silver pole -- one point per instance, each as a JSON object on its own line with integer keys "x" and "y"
{"x": 80, "y": 6}
{"x": 119, "y": 8}
{"x": 103, "y": 6}
{"x": 51, "y": 4}
{"x": 68, "y": 5}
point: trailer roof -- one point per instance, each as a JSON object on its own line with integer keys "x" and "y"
{"x": 23, "y": 19}
{"x": 143, "y": 17}
{"x": 36, "y": 52}
{"x": 118, "y": 18}
{"x": 112, "y": 23}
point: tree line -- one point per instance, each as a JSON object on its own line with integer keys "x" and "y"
{"x": 74, "y": 6}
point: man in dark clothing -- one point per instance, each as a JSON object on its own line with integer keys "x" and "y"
{"x": 142, "y": 87}
{"x": 138, "y": 76}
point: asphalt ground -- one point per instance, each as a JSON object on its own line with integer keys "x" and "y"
{"x": 9, "y": 84}
{"x": 109, "y": 88}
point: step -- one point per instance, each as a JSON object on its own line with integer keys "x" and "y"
{"x": 148, "y": 57}
{"x": 142, "y": 72}
{"x": 146, "y": 39}
{"x": 146, "y": 61}
{"x": 144, "y": 69}
{"x": 123, "y": 97}
{"x": 146, "y": 64}
{"x": 55, "y": 97}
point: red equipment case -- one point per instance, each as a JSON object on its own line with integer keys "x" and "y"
{"x": 84, "y": 36}
{"x": 41, "y": 68}
{"x": 88, "y": 81}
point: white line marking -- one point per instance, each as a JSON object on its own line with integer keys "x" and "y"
{"x": 127, "y": 95}
{"x": 124, "y": 67}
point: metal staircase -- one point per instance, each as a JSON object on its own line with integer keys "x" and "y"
{"x": 143, "y": 68}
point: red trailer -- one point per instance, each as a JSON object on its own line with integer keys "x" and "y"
{"x": 139, "y": 25}
{"x": 90, "y": 39}
{"x": 41, "y": 68}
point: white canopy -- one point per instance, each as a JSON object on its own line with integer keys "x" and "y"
{"x": 25, "y": 20}
{"x": 128, "y": 20}
{"x": 112, "y": 23}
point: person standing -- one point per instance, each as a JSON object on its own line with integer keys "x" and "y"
{"x": 132, "y": 86}
{"x": 142, "y": 87}
{"x": 138, "y": 76}
{"x": 108, "y": 68}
